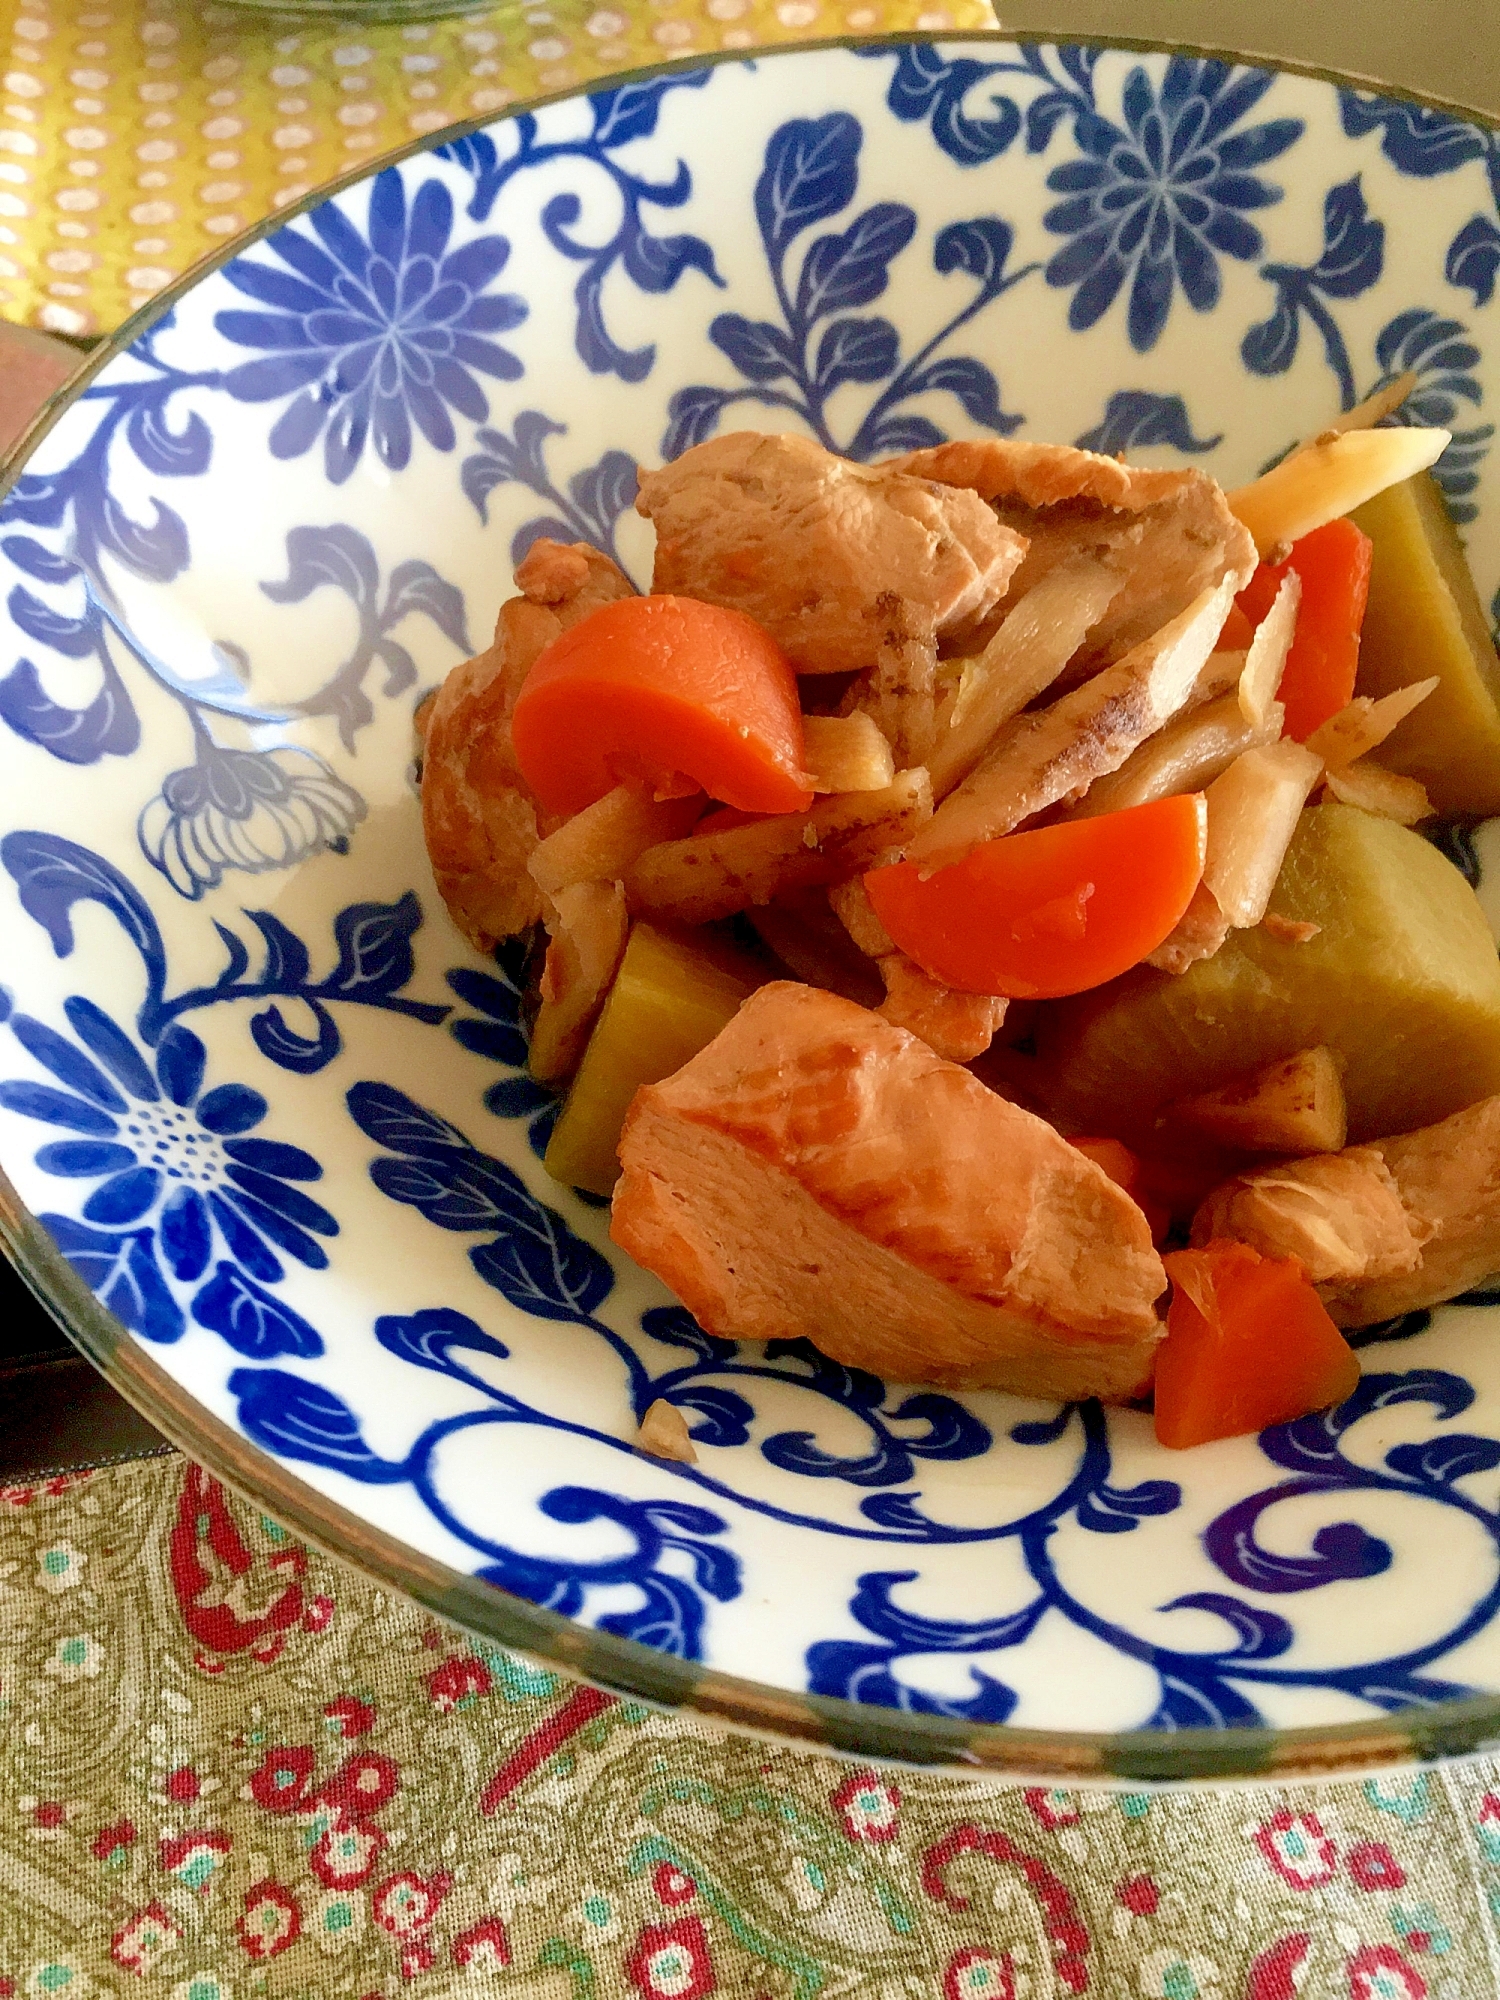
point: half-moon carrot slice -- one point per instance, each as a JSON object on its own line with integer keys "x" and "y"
{"x": 678, "y": 695}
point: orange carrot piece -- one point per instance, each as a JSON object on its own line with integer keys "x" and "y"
{"x": 1061, "y": 909}
{"x": 1249, "y": 1344}
{"x": 679, "y": 695}
{"x": 1127, "y": 1172}
{"x": 1237, "y": 633}
{"x": 1318, "y": 679}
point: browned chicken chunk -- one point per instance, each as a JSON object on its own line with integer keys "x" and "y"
{"x": 1383, "y": 1228}
{"x": 818, "y": 1171}
{"x": 1171, "y": 532}
{"x": 478, "y": 815}
{"x": 808, "y": 544}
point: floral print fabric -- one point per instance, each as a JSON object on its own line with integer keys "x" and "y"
{"x": 230, "y": 1768}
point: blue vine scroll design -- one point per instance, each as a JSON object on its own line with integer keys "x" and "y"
{"x": 590, "y": 509}
{"x": 89, "y": 523}
{"x": 654, "y": 264}
{"x": 823, "y": 342}
{"x": 1437, "y": 349}
{"x": 256, "y": 811}
{"x": 303, "y": 1421}
{"x": 1214, "y": 1687}
{"x": 1426, "y": 144}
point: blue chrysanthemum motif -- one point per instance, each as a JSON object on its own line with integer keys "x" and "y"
{"x": 177, "y": 1172}
{"x": 254, "y": 810}
{"x": 1159, "y": 202}
{"x": 371, "y": 337}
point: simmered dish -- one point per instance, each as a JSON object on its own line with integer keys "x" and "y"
{"x": 986, "y": 927}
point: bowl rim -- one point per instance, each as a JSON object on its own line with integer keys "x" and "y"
{"x": 625, "y": 1667}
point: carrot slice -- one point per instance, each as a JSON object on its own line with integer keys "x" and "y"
{"x": 1127, "y": 1172}
{"x": 1237, "y": 632}
{"x": 1249, "y": 1344}
{"x": 1058, "y": 910}
{"x": 1318, "y": 679}
{"x": 679, "y": 695}
{"x": 1116, "y": 1158}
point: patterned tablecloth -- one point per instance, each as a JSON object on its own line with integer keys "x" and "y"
{"x": 228, "y": 1768}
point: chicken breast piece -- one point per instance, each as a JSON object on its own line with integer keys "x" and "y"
{"x": 1385, "y": 1228}
{"x": 808, "y": 543}
{"x": 478, "y": 816}
{"x": 1171, "y": 533}
{"x": 818, "y": 1171}
{"x": 1341, "y": 1214}
{"x": 1449, "y": 1177}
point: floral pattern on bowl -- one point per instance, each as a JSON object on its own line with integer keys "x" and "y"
{"x": 275, "y": 1115}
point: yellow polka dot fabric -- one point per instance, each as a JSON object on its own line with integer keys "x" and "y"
{"x": 136, "y": 137}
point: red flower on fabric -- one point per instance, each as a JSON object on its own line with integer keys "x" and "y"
{"x": 1275, "y": 1975}
{"x": 194, "y": 1857}
{"x": 1379, "y": 1972}
{"x": 280, "y": 1784}
{"x": 1066, "y": 1931}
{"x": 1054, "y": 1809}
{"x": 49, "y": 1813}
{"x": 1139, "y": 1894}
{"x": 672, "y": 1962}
{"x": 346, "y": 1854}
{"x": 352, "y": 1716}
{"x": 976, "y": 1974}
{"x": 272, "y": 1920}
{"x": 147, "y": 1938}
{"x": 417, "y": 1957}
{"x": 1296, "y": 1846}
{"x": 459, "y": 1679}
{"x": 361, "y": 1785}
{"x": 672, "y": 1886}
{"x": 1373, "y": 1866}
{"x": 484, "y": 1944}
{"x": 109, "y": 1839}
{"x": 182, "y": 1785}
{"x": 868, "y": 1806}
{"x": 405, "y": 1905}
{"x": 319, "y": 1614}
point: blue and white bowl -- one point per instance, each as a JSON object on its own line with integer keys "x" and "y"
{"x": 273, "y": 1149}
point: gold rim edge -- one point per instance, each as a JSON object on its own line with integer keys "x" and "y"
{"x": 623, "y": 1666}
